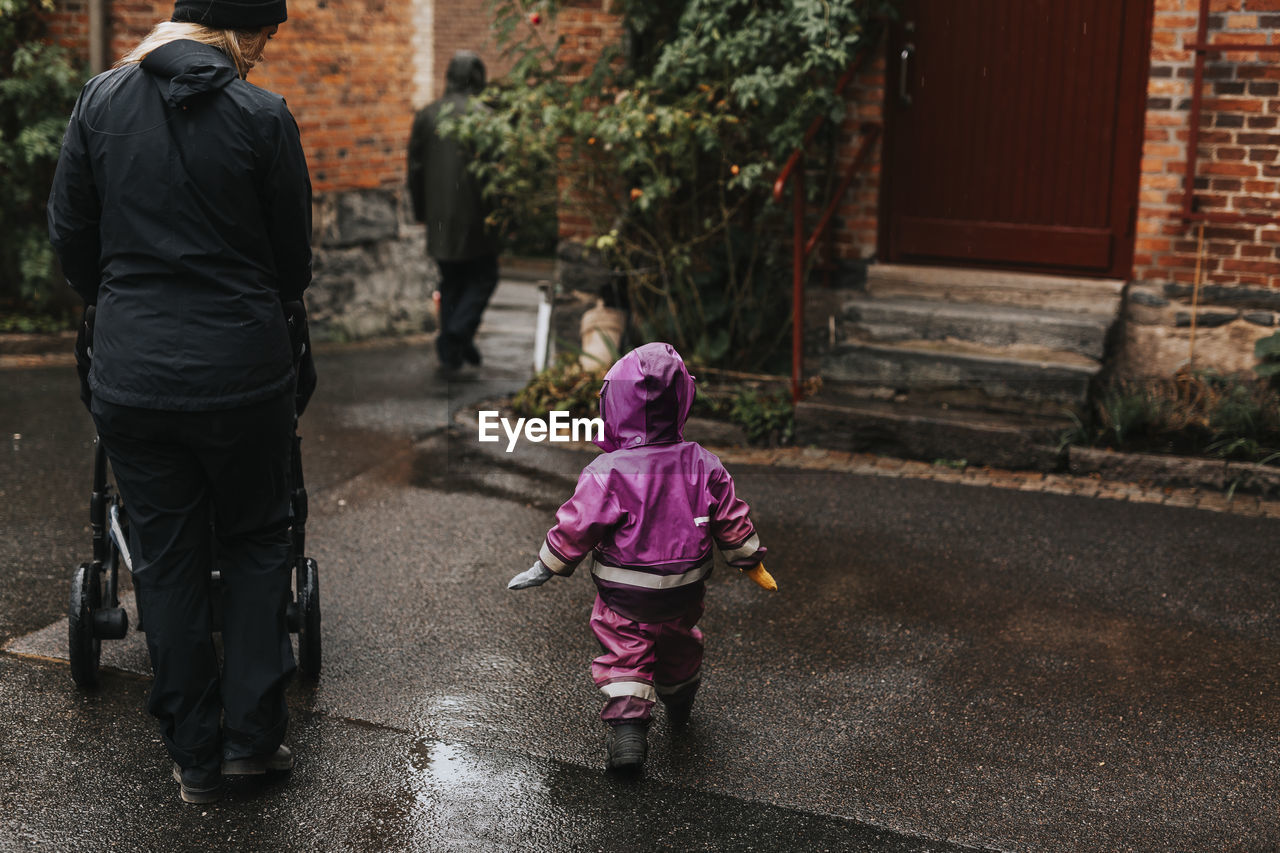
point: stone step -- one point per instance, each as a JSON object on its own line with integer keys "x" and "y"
{"x": 931, "y": 433}
{"x": 1028, "y": 373}
{"x": 989, "y": 325}
{"x": 949, "y": 284}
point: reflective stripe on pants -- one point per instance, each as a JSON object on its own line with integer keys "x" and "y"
{"x": 639, "y": 654}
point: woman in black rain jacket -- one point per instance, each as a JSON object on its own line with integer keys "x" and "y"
{"x": 181, "y": 209}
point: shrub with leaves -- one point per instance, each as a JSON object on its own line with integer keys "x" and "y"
{"x": 38, "y": 87}
{"x": 1267, "y": 351}
{"x": 670, "y": 143}
{"x": 767, "y": 418}
{"x": 1203, "y": 412}
{"x": 563, "y": 386}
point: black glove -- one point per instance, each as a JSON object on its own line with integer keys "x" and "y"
{"x": 84, "y": 353}
{"x": 295, "y": 315}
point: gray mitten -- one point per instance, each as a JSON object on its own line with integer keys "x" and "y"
{"x": 535, "y": 575}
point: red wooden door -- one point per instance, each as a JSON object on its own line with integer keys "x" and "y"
{"x": 1014, "y": 132}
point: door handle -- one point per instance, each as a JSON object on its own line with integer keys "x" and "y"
{"x": 908, "y": 50}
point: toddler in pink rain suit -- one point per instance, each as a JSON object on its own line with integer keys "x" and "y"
{"x": 644, "y": 519}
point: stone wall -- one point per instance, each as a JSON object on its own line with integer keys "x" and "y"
{"x": 371, "y": 273}
{"x": 1156, "y": 337}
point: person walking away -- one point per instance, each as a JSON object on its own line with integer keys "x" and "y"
{"x": 645, "y": 517}
{"x": 181, "y": 209}
{"x": 448, "y": 200}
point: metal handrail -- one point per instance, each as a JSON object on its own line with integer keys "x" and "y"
{"x": 1200, "y": 47}
{"x": 802, "y": 248}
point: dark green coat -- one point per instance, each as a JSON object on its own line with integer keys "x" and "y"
{"x": 446, "y": 195}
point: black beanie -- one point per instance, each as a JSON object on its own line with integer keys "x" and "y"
{"x": 230, "y": 14}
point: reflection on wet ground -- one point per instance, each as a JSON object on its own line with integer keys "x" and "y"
{"x": 450, "y": 461}
{"x": 468, "y": 800}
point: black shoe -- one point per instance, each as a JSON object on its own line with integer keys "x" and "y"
{"x": 627, "y": 746}
{"x": 198, "y": 786}
{"x": 280, "y": 761}
{"x": 678, "y": 713}
{"x": 471, "y": 355}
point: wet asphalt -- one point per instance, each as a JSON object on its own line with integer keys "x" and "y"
{"x": 943, "y": 668}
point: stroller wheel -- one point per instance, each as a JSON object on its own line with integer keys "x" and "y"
{"x": 308, "y": 611}
{"x": 85, "y": 647}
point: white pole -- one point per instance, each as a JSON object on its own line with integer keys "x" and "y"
{"x": 542, "y": 332}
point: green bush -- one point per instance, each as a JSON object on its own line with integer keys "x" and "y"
{"x": 564, "y": 386}
{"x": 1201, "y": 412}
{"x": 670, "y": 143}
{"x": 1267, "y": 351}
{"x": 38, "y": 88}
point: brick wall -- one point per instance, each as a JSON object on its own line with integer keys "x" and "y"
{"x": 353, "y": 72}
{"x": 69, "y": 25}
{"x": 588, "y": 28}
{"x": 856, "y": 227}
{"x": 1168, "y": 323}
{"x": 461, "y": 27}
{"x": 1238, "y": 164}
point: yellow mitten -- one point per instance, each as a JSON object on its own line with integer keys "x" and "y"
{"x": 762, "y": 577}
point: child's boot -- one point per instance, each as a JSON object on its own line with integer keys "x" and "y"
{"x": 679, "y": 711}
{"x": 627, "y": 745}
{"x": 679, "y": 701}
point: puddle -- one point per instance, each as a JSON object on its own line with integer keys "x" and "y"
{"x": 462, "y": 800}
{"x": 450, "y": 463}
{"x": 465, "y": 798}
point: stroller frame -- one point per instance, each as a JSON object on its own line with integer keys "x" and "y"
{"x": 95, "y": 614}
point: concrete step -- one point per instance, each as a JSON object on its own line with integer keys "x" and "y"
{"x": 949, "y": 284}
{"x": 989, "y": 325}
{"x": 1028, "y": 373}
{"x": 931, "y": 433}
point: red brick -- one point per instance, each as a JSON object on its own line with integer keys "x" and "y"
{"x": 1242, "y": 170}
{"x": 1264, "y": 267}
{"x": 1237, "y": 105}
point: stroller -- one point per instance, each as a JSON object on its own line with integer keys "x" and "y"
{"x": 95, "y": 613}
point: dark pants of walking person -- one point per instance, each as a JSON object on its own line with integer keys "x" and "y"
{"x": 187, "y": 477}
{"x": 465, "y": 290}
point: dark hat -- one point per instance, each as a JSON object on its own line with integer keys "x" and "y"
{"x": 230, "y": 14}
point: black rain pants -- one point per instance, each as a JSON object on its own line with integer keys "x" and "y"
{"x": 465, "y": 290}
{"x": 186, "y": 478}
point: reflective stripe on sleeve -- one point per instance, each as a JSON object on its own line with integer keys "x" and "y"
{"x": 630, "y": 577}
{"x": 639, "y": 689}
{"x": 746, "y": 549}
{"x": 552, "y": 562}
{"x": 702, "y": 519}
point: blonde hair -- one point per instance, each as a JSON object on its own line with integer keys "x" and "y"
{"x": 244, "y": 47}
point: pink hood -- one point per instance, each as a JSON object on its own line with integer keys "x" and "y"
{"x": 645, "y": 398}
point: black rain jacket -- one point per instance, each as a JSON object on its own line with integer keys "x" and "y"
{"x": 181, "y": 208}
{"x": 446, "y": 196}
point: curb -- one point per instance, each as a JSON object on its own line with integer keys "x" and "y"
{"x": 36, "y": 343}
{"x": 1156, "y": 487}
{"x": 1180, "y": 471}
{"x": 1221, "y": 486}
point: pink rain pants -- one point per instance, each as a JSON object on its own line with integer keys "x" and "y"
{"x": 645, "y": 661}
